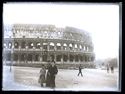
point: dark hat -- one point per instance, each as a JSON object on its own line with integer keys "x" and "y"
{"x": 42, "y": 65}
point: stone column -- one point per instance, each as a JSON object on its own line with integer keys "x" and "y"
{"x": 73, "y": 58}
{"x": 68, "y": 58}
{"x": 12, "y": 45}
{"x": 55, "y": 47}
{"x": 38, "y": 58}
{"x": 19, "y": 43}
{"x": 11, "y": 58}
{"x": 26, "y": 45}
{"x": 48, "y": 46}
{"x": 55, "y": 56}
{"x": 32, "y": 58}
{"x": 62, "y": 59}
{"x": 19, "y": 58}
{"x": 41, "y": 58}
{"x": 83, "y": 58}
{"x": 79, "y": 59}
{"x": 61, "y": 46}
{"x": 26, "y": 57}
{"x": 33, "y": 45}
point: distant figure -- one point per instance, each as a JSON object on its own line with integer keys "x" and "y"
{"x": 51, "y": 74}
{"x": 112, "y": 69}
{"x": 107, "y": 68}
{"x": 80, "y": 70}
{"x": 42, "y": 75}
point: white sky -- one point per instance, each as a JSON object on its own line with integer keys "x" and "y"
{"x": 102, "y": 21}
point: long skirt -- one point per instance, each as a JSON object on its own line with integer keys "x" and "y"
{"x": 50, "y": 81}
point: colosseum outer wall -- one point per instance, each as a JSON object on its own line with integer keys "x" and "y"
{"x": 34, "y": 44}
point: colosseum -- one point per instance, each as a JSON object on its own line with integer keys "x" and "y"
{"x": 33, "y": 44}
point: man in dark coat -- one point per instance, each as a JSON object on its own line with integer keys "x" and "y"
{"x": 48, "y": 75}
{"x": 80, "y": 70}
{"x": 52, "y": 71}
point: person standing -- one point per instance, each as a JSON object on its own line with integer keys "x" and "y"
{"x": 42, "y": 75}
{"x": 112, "y": 69}
{"x": 107, "y": 68}
{"x": 48, "y": 75}
{"x": 80, "y": 70}
{"x": 51, "y": 74}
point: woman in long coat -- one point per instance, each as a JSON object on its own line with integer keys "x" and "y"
{"x": 51, "y": 74}
{"x": 42, "y": 75}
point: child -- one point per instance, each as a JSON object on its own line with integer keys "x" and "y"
{"x": 42, "y": 75}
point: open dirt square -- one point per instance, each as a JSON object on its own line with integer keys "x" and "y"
{"x": 25, "y": 78}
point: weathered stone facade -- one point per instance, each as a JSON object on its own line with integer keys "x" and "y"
{"x": 32, "y": 44}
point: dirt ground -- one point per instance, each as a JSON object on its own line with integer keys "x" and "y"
{"x": 93, "y": 79}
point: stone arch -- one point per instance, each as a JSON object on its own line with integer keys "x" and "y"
{"x": 51, "y": 47}
{"x": 16, "y": 45}
{"x": 86, "y": 58}
{"x": 8, "y": 56}
{"x": 75, "y": 46}
{"x": 38, "y": 45}
{"x": 64, "y": 46}
{"x": 71, "y": 46}
{"x": 71, "y": 58}
{"x": 30, "y": 45}
{"x": 36, "y": 58}
{"x": 81, "y": 58}
{"x": 80, "y": 47}
{"x": 23, "y": 57}
{"x": 65, "y": 57}
{"x": 44, "y": 57}
{"x": 15, "y": 57}
{"x": 5, "y": 45}
{"x": 45, "y": 45}
{"x": 87, "y": 48}
{"x": 58, "y": 58}
{"x": 23, "y": 44}
{"x": 30, "y": 57}
{"x": 84, "y": 48}
{"x": 76, "y": 58}
{"x": 10, "y": 45}
{"x": 58, "y": 46}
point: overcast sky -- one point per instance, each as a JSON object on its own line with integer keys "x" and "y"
{"x": 100, "y": 20}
